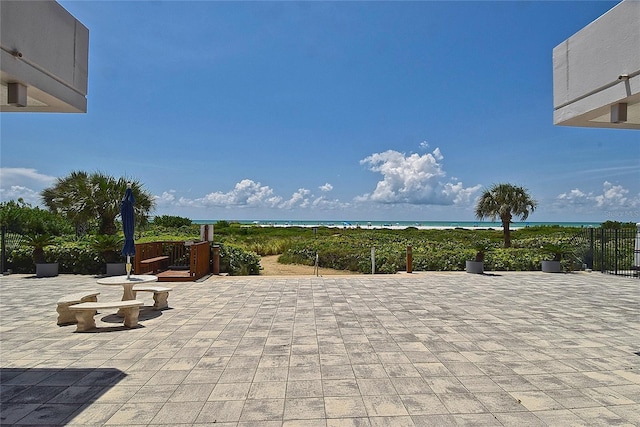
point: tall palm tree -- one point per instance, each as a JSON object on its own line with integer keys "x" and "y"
{"x": 505, "y": 201}
{"x": 94, "y": 199}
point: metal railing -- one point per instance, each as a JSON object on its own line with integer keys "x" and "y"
{"x": 612, "y": 251}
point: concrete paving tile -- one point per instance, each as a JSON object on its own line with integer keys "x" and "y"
{"x": 607, "y": 396}
{"x": 499, "y": 402}
{"x": 311, "y": 372}
{"x": 472, "y": 420}
{"x": 135, "y": 413}
{"x": 440, "y": 385}
{"x": 226, "y": 391}
{"x": 423, "y": 404}
{"x": 482, "y": 383}
{"x": 173, "y": 413}
{"x": 536, "y": 400}
{"x": 399, "y": 421}
{"x": 336, "y": 371}
{"x": 411, "y": 385}
{"x": 12, "y": 413}
{"x": 629, "y": 413}
{"x": 192, "y": 392}
{"x": 154, "y": 393}
{"x": 561, "y": 418}
{"x": 572, "y": 398}
{"x": 203, "y": 376}
{"x": 600, "y": 416}
{"x": 234, "y": 375}
{"x": 348, "y": 422}
{"x": 304, "y": 388}
{"x": 462, "y": 403}
{"x": 513, "y": 383}
{"x": 212, "y": 362}
{"x": 49, "y": 414}
{"x": 94, "y": 414}
{"x": 375, "y": 386}
{"x": 631, "y": 391}
{"x": 220, "y": 412}
{"x": 399, "y": 370}
{"x": 384, "y": 405}
{"x": 519, "y": 419}
{"x": 266, "y": 390}
{"x": 168, "y": 377}
{"x": 318, "y": 422}
{"x": 432, "y": 369}
{"x": 304, "y": 408}
{"x": 263, "y": 410}
{"x": 527, "y": 342}
{"x": 273, "y": 361}
{"x": 434, "y": 420}
{"x": 346, "y": 387}
{"x": 344, "y": 406}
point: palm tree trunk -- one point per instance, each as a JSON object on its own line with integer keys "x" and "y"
{"x": 506, "y": 222}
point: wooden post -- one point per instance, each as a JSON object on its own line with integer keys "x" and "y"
{"x": 409, "y": 259}
{"x": 373, "y": 260}
{"x": 216, "y": 259}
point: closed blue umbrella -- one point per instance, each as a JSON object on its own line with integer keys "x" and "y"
{"x": 128, "y": 223}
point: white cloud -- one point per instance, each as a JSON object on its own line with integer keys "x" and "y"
{"x": 16, "y": 192}
{"x": 414, "y": 179}
{"x": 24, "y": 176}
{"x": 298, "y": 199}
{"x": 250, "y": 194}
{"x": 25, "y": 183}
{"x": 166, "y": 198}
{"x": 612, "y": 197}
{"x": 326, "y": 187}
{"x": 246, "y": 193}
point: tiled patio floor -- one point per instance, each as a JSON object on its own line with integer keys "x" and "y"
{"x": 426, "y": 349}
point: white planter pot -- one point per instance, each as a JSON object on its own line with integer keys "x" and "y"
{"x": 475, "y": 267}
{"x": 47, "y": 270}
{"x": 551, "y": 267}
{"x": 116, "y": 269}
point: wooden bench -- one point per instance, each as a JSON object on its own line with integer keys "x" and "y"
{"x": 85, "y": 311}
{"x": 66, "y": 317}
{"x": 154, "y": 265}
{"x": 160, "y": 295}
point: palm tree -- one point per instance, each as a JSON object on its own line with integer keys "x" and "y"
{"x": 94, "y": 200}
{"x": 505, "y": 201}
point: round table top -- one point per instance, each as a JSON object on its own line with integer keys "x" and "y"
{"x": 122, "y": 280}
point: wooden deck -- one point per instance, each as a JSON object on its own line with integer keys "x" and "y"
{"x": 197, "y": 255}
{"x": 176, "y": 276}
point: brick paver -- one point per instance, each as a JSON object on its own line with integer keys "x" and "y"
{"x": 422, "y": 349}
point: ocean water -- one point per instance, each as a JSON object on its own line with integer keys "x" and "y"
{"x": 400, "y": 224}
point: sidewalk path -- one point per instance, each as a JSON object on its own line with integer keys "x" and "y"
{"x": 422, "y": 349}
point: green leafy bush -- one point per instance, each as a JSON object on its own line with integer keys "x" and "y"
{"x": 237, "y": 262}
{"x": 171, "y": 221}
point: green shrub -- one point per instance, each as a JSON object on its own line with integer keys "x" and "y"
{"x": 170, "y": 221}
{"x": 237, "y": 262}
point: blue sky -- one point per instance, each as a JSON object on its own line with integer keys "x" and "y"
{"x": 330, "y": 111}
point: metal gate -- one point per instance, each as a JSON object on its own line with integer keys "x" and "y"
{"x": 610, "y": 250}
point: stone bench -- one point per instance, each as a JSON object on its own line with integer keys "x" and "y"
{"x": 66, "y": 317}
{"x": 160, "y": 295}
{"x": 85, "y": 311}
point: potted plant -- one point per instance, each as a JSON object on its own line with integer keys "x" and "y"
{"x": 38, "y": 242}
{"x": 476, "y": 265}
{"x": 557, "y": 251}
{"x": 109, "y": 247}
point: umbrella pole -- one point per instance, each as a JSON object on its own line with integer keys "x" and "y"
{"x": 128, "y": 266}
